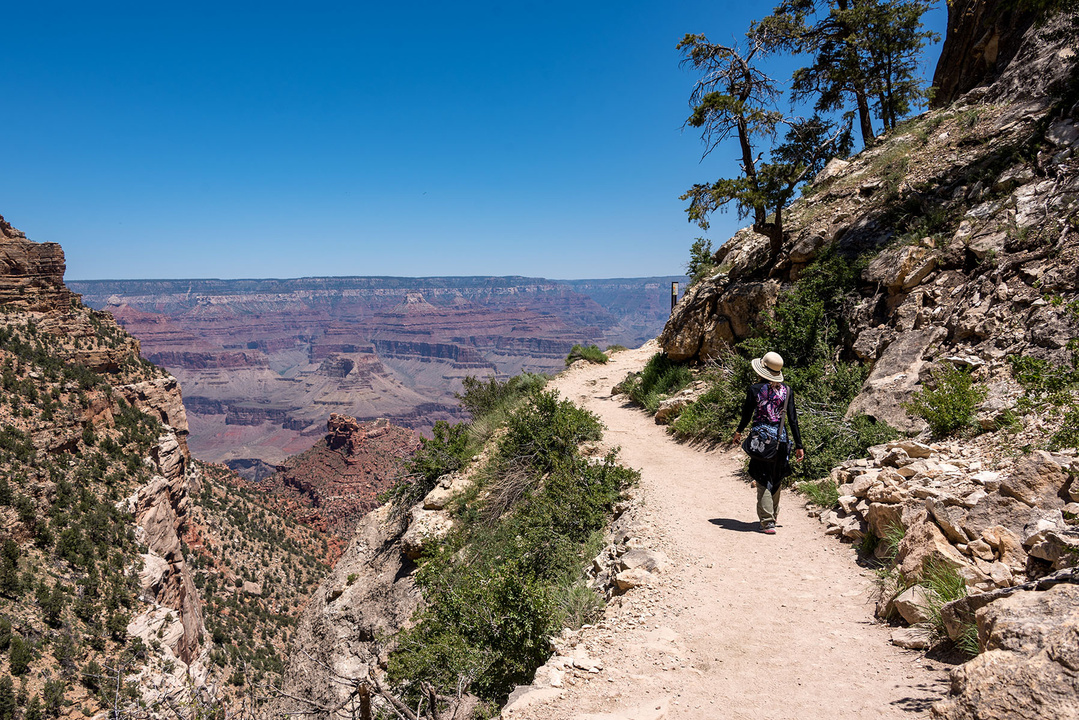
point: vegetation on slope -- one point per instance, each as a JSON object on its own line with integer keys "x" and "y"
{"x": 254, "y": 569}
{"x": 67, "y": 581}
{"x": 511, "y": 572}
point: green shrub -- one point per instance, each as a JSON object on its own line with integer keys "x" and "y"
{"x": 700, "y": 265}
{"x": 949, "y": 402}
{"x": 20, "y": 654}
{"x": 504, "y": 580}
{"x": 446, "y": 451}
{"x": 659, "y": 379}
{"x": 591, "y": 353}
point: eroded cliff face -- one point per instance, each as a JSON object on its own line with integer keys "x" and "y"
{"x": 335, "y": 483}
{"x": 98, "y": 416}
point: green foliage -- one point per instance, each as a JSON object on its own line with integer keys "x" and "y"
{"x": 7, "y": 698}
{"x": 823, "y": 492}
{"x": 659, "y": 379}
{"x": 591, "y": 353}
{"x": 446, "y": 451}
{"x": 504, "y": 580}
{"x": 700, "y": 265}
{"x": 20, "y": 655}
{"x": 1049, "y": 385}
{"x": 482, "y": 398}
{"x": 943, "y": 585}
{"x": 949, "y": 402}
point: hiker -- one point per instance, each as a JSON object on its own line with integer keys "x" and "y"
{"x": 764, "y": 403}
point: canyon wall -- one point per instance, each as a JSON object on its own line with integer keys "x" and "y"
{"x": 263, "y": 363}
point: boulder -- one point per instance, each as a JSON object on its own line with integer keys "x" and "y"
{"x": 901, "y": 268}
{"x": 1030, "y": 666}
{"x": 425, "y": 527}
{"x": 911, "y": 638}
{"x": 925, "y": 541}
{"x": 670, "y": 408}
{"x": 948, "y": 518}
{"x": 911, "y": 604}
{"x": 650, "y": 560}
{"x": 894, "y": 379}
{"x": 1036, "y": 480}
{"x": 634, "y": 577}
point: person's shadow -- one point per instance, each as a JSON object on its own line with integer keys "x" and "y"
{"x": 736, "y": 525}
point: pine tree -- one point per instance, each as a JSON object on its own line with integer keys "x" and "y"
{"x": 864, "y": 54}
{"x": 735, "y": 100}
{"x": 7, "y": 698}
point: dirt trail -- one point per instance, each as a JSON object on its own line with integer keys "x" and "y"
{"x": 742, "y": 624}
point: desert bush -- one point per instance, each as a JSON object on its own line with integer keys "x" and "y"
{"x": 659, "y": 379}
{"x": 505, "y": 580}
{"x": 949, "y": 402}
{"x": 591, "y": 353}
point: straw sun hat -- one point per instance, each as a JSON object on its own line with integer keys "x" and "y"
{"x": 769, "y": 367}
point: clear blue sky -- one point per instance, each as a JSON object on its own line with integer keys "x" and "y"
{"x": 285, "y": 139}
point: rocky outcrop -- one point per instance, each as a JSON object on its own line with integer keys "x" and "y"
{"x": 983, "y": 36}
{"x": 1029, "y": 666}
{"x": 31, "y": 274}
{"x": 161, "y": 512}
{"x": 336, "y": 482}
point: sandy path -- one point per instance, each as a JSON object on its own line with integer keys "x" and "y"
{"x": 742, "y": 625}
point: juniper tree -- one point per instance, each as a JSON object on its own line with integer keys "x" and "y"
{"x": 735, "y": 99}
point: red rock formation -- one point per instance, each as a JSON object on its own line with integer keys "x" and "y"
{"x": 336, "y": 482}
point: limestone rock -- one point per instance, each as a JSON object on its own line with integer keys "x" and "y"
{"x": 911, "y": 638}
{"x": 650, "y": 560}
{"x": 1036, "y": 481}
{"x": 635, "y": 577}
{"x": 1030, "y": 667}
{"x": 922, "y": 542}
{"x": 425, "y": 527}
{"x": 894, "y": 379}
{"x": 448, "y": 486}
{"x": 911, "y": 604}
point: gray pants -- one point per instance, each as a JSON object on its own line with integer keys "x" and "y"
{"x": 767, "y": 504}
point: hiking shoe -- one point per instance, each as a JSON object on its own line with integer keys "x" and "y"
{"x": 770, "y": 529}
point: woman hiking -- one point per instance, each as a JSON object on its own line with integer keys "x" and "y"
{"x": 765, "y": 403}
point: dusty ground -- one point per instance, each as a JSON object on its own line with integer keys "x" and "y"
{"x": 742, "y": 624}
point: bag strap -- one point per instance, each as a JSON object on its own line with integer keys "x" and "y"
{"x": 783, "y": 415}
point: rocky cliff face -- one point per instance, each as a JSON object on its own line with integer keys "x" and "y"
{"x": 364, "y": 347}
{"x": 963, "y": 223}
{"x": 99, "y": 421}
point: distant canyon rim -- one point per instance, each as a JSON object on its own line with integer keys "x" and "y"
{"x": 263, "y": 363}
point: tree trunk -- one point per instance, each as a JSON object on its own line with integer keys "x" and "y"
{"x": 865, "y": 119}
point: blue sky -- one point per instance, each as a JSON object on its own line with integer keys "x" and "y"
{"x": 273, "y": 139}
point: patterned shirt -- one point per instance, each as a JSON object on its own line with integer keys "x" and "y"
{"x": 770, "y": 403}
